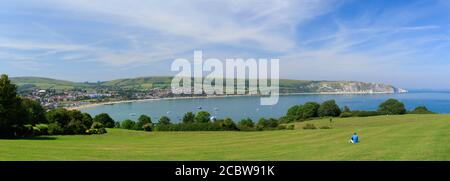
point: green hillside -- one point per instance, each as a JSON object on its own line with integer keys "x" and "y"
{"x": 30, "y": 83}
{"x": 163, "y": 82}
{"x": 405, "y": 137}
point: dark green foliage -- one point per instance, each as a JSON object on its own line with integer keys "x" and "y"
{"x": 329, "y": 108}
{"x": 270, "y": 123}
{"x": 147, "y": 127}
{"x": 87, "y": 120}
{"x": 202, "y": 117}
{"x": 359, "y": 113}
{"x": 117, "y": 124}
{"x": 290, "y": 127}
{"x": 105, "y": 119}
{"x": 128, "y": 124}
{"x": 70, "y": 121}
{"x": 309, "y": 126}
{"x": 164, "y": 120}
{"x": 226, "y": 124}
{"x": 246, "y": 124}
{"x": 97, "y": 125}
{"x": 421, "y": 110}
{"x": 295, "y": 113}
{"x": 346, "y": 114}
{"x": 55, "y": 129}
{"x": 34, "y": 111}
{"x": 310, "y": 110}
{"x": 392, "y": 107}
{"x": 10, "y": 109}
{"x": 142, "y": 120}
{"x": 188, "y": 117}
{"x": 346, "y": 109}
{"x": 43, "y": 128}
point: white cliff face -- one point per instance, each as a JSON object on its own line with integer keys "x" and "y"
{"x": 351, "y": 87}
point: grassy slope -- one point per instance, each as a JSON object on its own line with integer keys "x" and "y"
{"x": 145, "y": 83}
{"x": 408, "y": 137}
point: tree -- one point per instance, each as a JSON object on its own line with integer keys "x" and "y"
{"x": 128, "y": 124}
{"x": 228, "y": 124}
{"x": 392, "y": 107}
{"x": 346, "y": 109}
{"x": 87, "y": 120}
{"x": 295, "y": 113}
{"x": 10, "y": 120}
{"x": 421, "y": 110}
{"x": 164, "y": 120}
{"x": 188, "y": 117}
{"x": 310, "y": 110}
{"x": 246, "y": 123}
{"x": 142, "y": 120}
{"x": 35, "y": 113}
{"x": 202, "y": 117}
{"x": 105, "y": 119}
{"x": 329, "y": 108}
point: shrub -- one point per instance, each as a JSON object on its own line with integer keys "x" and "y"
{"x": 43, "y": 128}
{"x": 421, "y": 110}
{"x": 147, "y": 127}
{"x": 310, "y": 110}
{"x": 227, "y": 124}
{"x": 281, "y": 127}
{"x": 96, "y": 131}
{"x": 128, "y": 124}
{"x": 270, "y": 123}
{"x": 117, "y": 124}
{"x": 246, "y": 124}
{"x": 359, "y": 113}
{"x": 325, "y": 127}
{"x": 75, "y": 127}
{"x": 105, "y": 119}
{"x": 36, "y": 131}
{"x": 392, "y": 107}
{"x": 202, "y": 117}
{"x": 96, "y": 125}
{"x": 329, "y": 108}
{"x": 188, "y": 117}
{"x": 346, "y": 115}
{"x": 142, "y": 120}
{"x": 164, "y": 120}
{"x": 55, "y": 129}
{"x": 309, "y": 126}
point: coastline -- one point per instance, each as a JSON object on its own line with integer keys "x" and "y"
{"x": 90, "y": 105}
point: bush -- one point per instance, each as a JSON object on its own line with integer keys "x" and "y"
{"x": 309, "y": 126}
{"x": 189, "y": 117}
{"x": 117, "y": 124}
{"x": 281, "y": 127}
{"x": 246, "y": 124}
{"x": 105, "y": 119}
{"x": 142, "y": 120}
{"x": 43, "y": 129}
{"x": 329, "y": 108}
{"x": 270, "y": 123}
{"x": 147, "y": 127}
{"x": 164, "y": 120}
{"x": 392, "y": 107}
{"x": 421, "y": 110}
{"x": 96, "y": 125}
{"x": 310, "y": 110}
{"x": 226, "y": 124}
{"x": 359, "y": 113}
{"x": 128, "y": 124}
{"x": 346, "y": 115}
{"x": 75, "y": 127}
{"x": 96, "y": 131}
{"x": 36, "y": 131}
{"x": 55, "y": 129}
{"x": 202, "y": 117}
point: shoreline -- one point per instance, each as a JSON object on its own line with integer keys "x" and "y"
{"x": 90, "y": 105}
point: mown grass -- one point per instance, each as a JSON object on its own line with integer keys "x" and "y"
{"x": 406, "y": 137}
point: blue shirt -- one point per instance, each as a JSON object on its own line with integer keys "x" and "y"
{"x": 355, "y": 138}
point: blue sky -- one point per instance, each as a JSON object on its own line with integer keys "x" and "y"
{"x": 403, "y": 43}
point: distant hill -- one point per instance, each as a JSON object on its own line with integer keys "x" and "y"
{"x": 163, "y": 82}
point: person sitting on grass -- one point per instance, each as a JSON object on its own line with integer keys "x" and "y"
{"x": 354, "y": 139}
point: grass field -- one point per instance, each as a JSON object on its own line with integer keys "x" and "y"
{"x": 406, "y": 137}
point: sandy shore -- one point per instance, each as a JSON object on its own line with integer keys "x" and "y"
{"x": 89, "y": 105}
